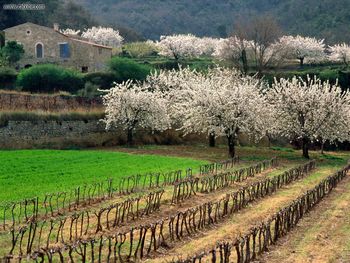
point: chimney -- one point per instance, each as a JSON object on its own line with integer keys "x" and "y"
{"x": 56, "y": 26}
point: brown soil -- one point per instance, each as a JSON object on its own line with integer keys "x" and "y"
{"x": 322, "y": 236}
{"x": 240, "y": 222}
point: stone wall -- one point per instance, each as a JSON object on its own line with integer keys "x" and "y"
{"x": 55, "y": 134}
{"x": 29, "y": 102}
{"x": 82, "y": 134}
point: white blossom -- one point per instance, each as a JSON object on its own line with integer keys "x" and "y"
{"x": 104, "y": 36}
{"x": 340, "y": 53}
{"x": 310, "y": 110}
{"x": 306, "y": 49}
{"x": 185, "y": 46}
{"x": 130, "y": 106}
{"x": 176, "y": 87}
{"x": 69, "y": 31}
{"x": 207, "y": 45}
{"x": 220, "y": 102}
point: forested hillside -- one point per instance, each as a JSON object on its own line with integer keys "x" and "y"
{"x": 67, "y": 14}
{"x": 322, "y": 18}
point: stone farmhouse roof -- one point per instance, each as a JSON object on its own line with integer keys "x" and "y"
{"x": 68, "y": 36}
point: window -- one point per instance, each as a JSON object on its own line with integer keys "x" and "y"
{"x": 64, "y": 50}
{"x": 84, "y": 69}
{"x": 99, "y": 50}
{"x": 28, "y": 32}
{"x": 39, "y": 50}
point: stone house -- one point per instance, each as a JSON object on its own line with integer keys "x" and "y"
{"x": 48, "y": 45}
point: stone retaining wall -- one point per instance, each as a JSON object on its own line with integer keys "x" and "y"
{"x": 81, "y": 134}
{"x": 54, "y": 103}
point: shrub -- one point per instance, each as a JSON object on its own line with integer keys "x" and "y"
{"x": 104, "y": 80}
{"x": 125, "y": 69}
{"x": 8, "y": 78}
{"x": 49, "y": 78}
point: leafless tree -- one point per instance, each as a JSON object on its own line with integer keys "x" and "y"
{"x": 262, "y": 32}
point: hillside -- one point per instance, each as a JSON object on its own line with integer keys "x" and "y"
{"x": 322, "y": 18}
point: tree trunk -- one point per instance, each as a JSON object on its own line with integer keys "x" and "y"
{"x": 212, "y": 139}
{"x": 130, "y": 141}
{"x": 301, "y": 62}
{"x": 260, "y": 72}
{"x": 231, "y": 141}
{"x": 245, "y": 62}
{"x": 305, "y": 144}
{"x": 268, "y": 140}
{"x": 322, "y": 147}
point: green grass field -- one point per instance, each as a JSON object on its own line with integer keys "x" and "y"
{"x": 29, "y": 173}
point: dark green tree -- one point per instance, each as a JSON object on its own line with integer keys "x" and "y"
{"x": 125, "y": 68}
{"x": 12, "y": 52}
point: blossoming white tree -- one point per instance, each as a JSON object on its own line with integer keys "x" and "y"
{"x": 130, "y": 106}
{"x": 220, "y": 102}
{"x": 340, "y": 53}
{"x": 226, "y": 103}
{"x": 178, "y": 46}
{"x": 303, "y": 48}
{"x": 310, "y": 110}
{"x": 103, "y": 35}
{"x": 185, "y": 46}
{"x": 176, "y": 87}
{"x": 207, "y": 45}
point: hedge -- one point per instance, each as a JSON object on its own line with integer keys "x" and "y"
{"x": 50, "y": 78}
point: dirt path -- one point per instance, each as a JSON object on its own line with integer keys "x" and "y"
{"x": 242, "y": 221}
{"x": 323, "y": 236}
